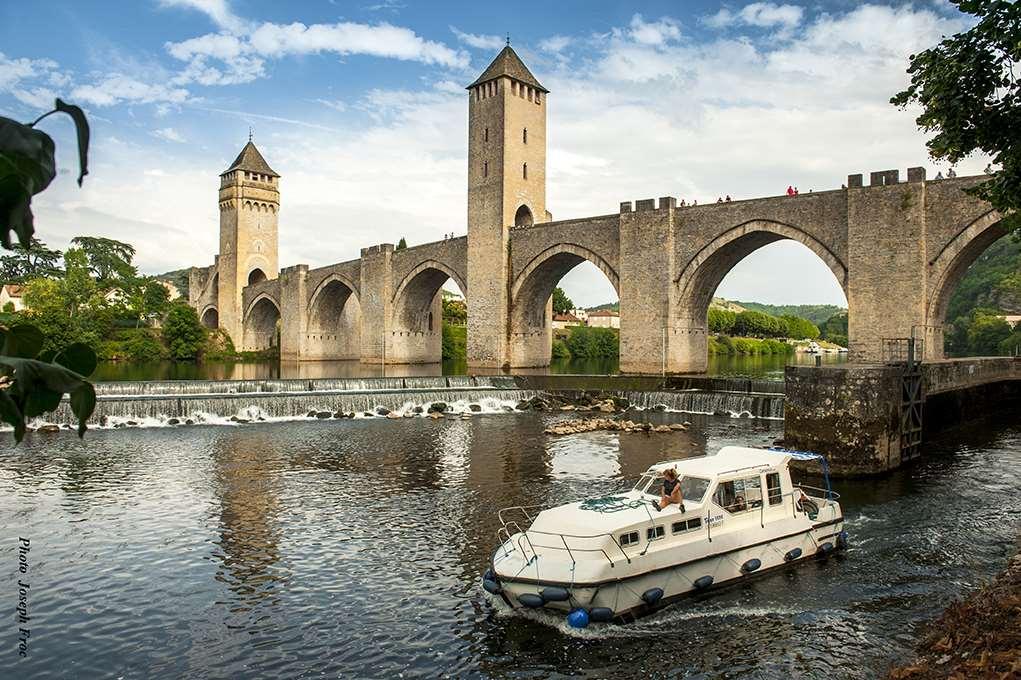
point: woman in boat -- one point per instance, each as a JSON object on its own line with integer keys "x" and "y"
{"x": 671, "y": 490}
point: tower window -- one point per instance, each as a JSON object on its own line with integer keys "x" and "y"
{"x": 514, "y": 87}
{"x": 537, "y": 95}
{"x": 485, "y": 168}
{"x": 524, "y": 136}
{"x": 487, "y": 135}
{"x": 524, "y": 170}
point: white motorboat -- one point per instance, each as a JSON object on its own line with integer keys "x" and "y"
{"x": 619, "y": 557}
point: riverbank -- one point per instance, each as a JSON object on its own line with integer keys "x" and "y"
{"x": 977, "y": 637}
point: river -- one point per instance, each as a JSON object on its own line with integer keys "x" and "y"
{"x": 353, "y": 548}
{"x": 769, "y": 366}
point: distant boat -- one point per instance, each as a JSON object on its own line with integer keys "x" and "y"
{"x": 813, "y": 348}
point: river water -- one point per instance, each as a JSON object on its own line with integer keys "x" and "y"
{"x": 770, "y": 366}
{"x": 353, "y": 548}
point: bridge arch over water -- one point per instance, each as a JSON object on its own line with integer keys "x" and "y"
{"x": 334, "y": 320}
{"x": 417, "y": 309}
{"x": 260, "y": 323}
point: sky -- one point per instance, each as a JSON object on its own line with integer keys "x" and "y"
{"x": 361, "y": 107}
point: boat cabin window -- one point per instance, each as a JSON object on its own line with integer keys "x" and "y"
{"x": 773, "y": 487}
{"x": 693, "y": 488}
{"x": 689, "y": 525}
{"x": 630, "y": 538}
{"x": 739, "y": 495}
{"x": 654, "y": 533}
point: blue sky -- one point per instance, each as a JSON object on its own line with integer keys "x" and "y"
{"x": 360, "y": 106}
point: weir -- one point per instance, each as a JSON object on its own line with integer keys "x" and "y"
{"x": 154, "y": 403}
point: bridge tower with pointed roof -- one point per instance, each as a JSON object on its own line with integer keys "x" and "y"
{"x": 506, "y": 189}
{"x": 249, "y": 201}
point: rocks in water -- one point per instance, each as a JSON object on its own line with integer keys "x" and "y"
{"x": 621, "y": 403}
{"x": 235, "y": 419}
{"x": 437, "y": 407}
{"x": 311, "y": 414}
{"x": 382, "y": 411}
{"x": 417, "y": 409}
{"x": 189, "y": 422}
{"x": 173, "y": 421}
{"x": 567, "y": 407}
{"x": 131, "y": 423}
{"x": 474, "y": 407}
{"x": 593, "y": 424}
{"x": 322, "y": 415}
{"x": 435, "y": 415}
{"x": 48, "y": 428}
{"x": 659, "y": 407}
{"x": 367, "y": 414}
{"x": 392, "y": 415}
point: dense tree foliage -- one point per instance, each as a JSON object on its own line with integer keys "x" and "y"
{"x": 455, "y": 340}
{"x": 969, "y": 88}
{"x": 402, "y": 244}
{"x": 35, "y": 261}
{"x": 108, "y": 259}
{"x": 561, "y": 303}
{"x": 721, "y": 320}
{"x": 586, "y": 342}
{"x": 835, "y": 329}
{"x": 983, "y": 332}
{"x": 455, "y": 311}
{"x": 992, "y": 281}
{"x": 183, "y": 333}
{"x": 817, "y": 314}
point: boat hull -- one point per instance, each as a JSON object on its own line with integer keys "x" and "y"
{"x": 634, "y": 595}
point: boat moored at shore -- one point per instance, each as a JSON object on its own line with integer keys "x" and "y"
{"x": 619, "y": 557}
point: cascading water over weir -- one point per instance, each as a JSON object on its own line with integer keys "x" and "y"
{"x": 155, "y": 403}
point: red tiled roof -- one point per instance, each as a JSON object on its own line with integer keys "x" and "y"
{"x": 604, "y": 312}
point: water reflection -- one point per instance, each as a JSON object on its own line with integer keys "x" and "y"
{"x": 746, "y": 366}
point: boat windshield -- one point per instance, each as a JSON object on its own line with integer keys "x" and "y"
{"x": 692, "y": 488}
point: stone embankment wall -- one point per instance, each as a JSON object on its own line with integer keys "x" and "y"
{"x": 852, "y": 413}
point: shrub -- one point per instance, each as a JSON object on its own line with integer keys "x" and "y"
{"x": 1010, "y": 346}
{"x": 454, "y": 342}
{"x": 560, "y": 350}
{"x": 593, "y": 343}
{"x": 219, "y": 345}
{"x": 142, "y": 345}
{"x": 183, "y": 334}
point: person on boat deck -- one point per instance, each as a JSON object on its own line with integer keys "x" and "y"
{"x": 671, "y": 490}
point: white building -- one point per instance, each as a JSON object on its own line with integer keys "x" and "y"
{"x": 566, "y": 320}
{"x": 12, "y": 293}
{"x": 604, "y": 318}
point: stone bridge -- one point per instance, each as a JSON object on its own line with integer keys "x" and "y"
{"x": 896, "y": 248}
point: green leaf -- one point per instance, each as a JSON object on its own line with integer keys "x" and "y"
{"x": 79, "y": 358}
{"x": 23, "y": 341}
{"x": 81, "y": 126}
{"x": 27, "y": 166}
{"x": 33, "y": 383}
{"x": 11, "y": 414}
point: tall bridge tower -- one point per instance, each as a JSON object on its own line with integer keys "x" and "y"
{"x": 506, "y": 189}
{"x": 249, "y": 202}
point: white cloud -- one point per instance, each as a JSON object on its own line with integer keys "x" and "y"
{"x": 169, "y": 134}
{"x": 115, "y": 88}
{"x": 654, "y": 33}
{"x": 759, "y": 14}
{"x": 334, "y": 104}
{"x": 479, "y": 42}
{"x": 217, "y": 10}
{"x": 555, "y": 43}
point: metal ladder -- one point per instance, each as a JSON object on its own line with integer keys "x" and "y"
{"x": 907, "y": 353}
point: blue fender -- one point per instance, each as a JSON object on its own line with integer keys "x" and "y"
{"x": 703, "y": 582}
{"x": 652, "y": 595}
{"x": 600, "y": 614}
{"x": 578, "y": 618}
{"x": 825, "y": 549}
{"x": 792, "y": 554}
{"x": 751, "y": 565}
{"x": 530, "y": 600}
{"x": 491, "y": 586}
{"x": 554, "y": 594}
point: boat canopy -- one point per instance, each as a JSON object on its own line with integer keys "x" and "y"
{"x": 728, "y": 459}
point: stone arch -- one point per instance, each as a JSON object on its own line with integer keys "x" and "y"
{"x": 210, "y": 317}
{"x": 703, "y": 273}
{"x": 416, "y": 335}
{"x": 334, "y": 321}
{"x": 523, "y": 217}
{"x": 256, "y": 276}
{"x": 260, "y": 324}
{"x": 531, "y": 330}
{"x": 948, "y": 267}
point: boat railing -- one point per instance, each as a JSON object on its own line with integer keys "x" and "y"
{"x": 565, "y": 543}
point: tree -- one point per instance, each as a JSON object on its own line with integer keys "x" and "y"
{"x": 183, "y": 333}
{"x": 455, "y": 311}
{"x": 721, "y": 320}
{"x": 147, "y": 299}
{"x": 800, "y": 329}
{"x": 35, "y": 261}
{"x": 402, "y": 244}
{"x": 970, "y": 94}
{"x": 108, "y": 259}
{"x": 561, "y": 303}
{"x": 986, "y": 333}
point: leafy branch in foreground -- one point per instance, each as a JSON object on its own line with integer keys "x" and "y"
{"x": 31, "y": 385}
{"x": 969, "y": 88}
